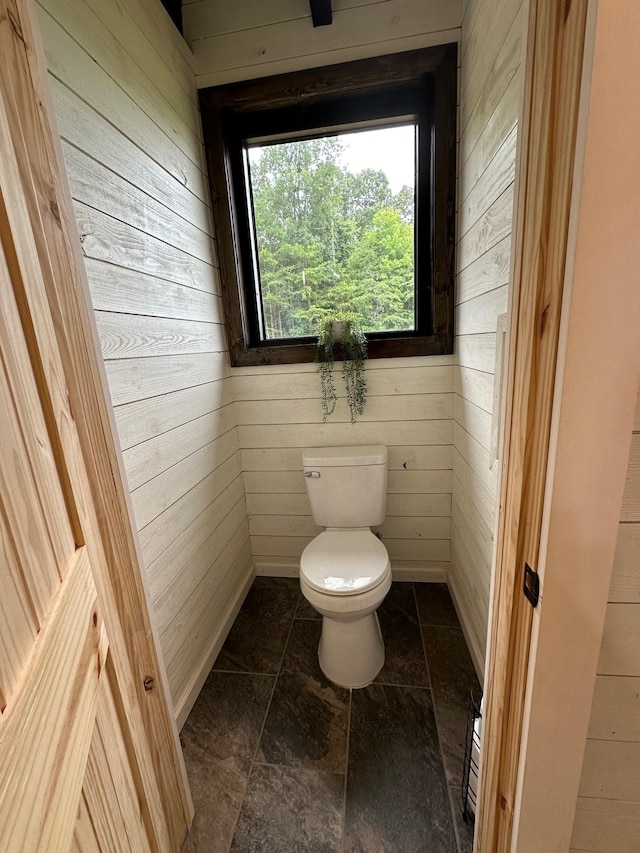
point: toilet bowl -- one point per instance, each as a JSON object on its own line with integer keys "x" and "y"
{"x": 345, "y": 572}
{"x": 351, "y": 650}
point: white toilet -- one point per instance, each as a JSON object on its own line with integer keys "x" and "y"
{"x": 345, "y": 571}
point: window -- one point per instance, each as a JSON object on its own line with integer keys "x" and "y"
{"x": 334, "y": 189}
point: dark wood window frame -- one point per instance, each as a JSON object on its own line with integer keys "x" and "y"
{"x": 421, "y": 83}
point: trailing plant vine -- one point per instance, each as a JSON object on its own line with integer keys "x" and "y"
{"x": 325, "y": 363}
{"x": 350, "y": 345}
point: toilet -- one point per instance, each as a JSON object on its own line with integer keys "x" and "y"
{"x": 345, "y": 572}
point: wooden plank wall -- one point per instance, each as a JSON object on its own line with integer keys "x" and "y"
{"x": 278, "y": 408}
{"x": 126, "y": 103}
{"x": 239, "y": 41}
{"x": 489, "y": 102}
{"x": 608, "y": 809}
{"x": 409, "y": 409}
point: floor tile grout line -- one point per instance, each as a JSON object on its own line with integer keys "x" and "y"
{"x": 456, "y": 834}
{"x": 304, "y": 767}
{"x": 264, "y": 723}
{"x": 243, "y": 672}
{"x": 275, "y": 683}
{"x": 435, "y": 714}
{"x": 346, "y": 774}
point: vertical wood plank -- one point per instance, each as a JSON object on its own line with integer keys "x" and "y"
{"x": 154, "y": 746}
{"x": 545, "y": 174}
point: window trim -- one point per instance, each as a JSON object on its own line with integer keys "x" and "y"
{"x": 230, "y": 109}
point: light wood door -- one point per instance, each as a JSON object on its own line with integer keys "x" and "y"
{"x": 81, "y": 768}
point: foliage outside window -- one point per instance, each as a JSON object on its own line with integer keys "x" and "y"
{"x": 330, "y": 240}
{"x": 302, "y": 236}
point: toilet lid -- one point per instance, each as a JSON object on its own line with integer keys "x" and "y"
{"x": 343, "y": 562}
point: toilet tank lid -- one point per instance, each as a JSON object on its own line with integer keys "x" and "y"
{"x": 338, "y": 457}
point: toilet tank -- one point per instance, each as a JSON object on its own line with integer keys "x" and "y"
{"x": 347, "y": 486}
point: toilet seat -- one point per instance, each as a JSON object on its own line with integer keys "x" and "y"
{"x": 344, "y": 562}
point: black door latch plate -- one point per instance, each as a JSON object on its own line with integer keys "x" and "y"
{"x": 531, "y": 585}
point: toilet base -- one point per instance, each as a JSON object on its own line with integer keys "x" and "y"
{"x": 351, "y": 654}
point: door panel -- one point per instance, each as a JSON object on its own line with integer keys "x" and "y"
{"x": 109, "y": 791}
{"x": 47, "y": 727}
{"x": 81, "y": 767}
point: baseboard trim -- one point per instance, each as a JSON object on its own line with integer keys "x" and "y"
{"x": 269, "y": 569}
{"x": 187, "y": 700}
{"x": 431, "y": 573}
{"x": 434, "y": 573}
{"x": 475, "y": 650}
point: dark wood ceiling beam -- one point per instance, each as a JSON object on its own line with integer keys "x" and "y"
{"x": 321, "y": 12}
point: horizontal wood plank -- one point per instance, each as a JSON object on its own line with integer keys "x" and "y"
{"x": 398, "y": 506}
{"x": 187, "y": 631}
{"x": 499, "y": 176}
{"x": 134, "y": 379}
{"x": 479, "y": 315}
{"x": 408, "y": 458}
{"x": 392, "y": 21}
{"x": 399, "y": 482}
{"x": 625, "y": 579}
{"x": 477, "y": 458}
{"x": 631, "y": 497}
{"x": 87, "y": 29}
{"x": 152, "y": 498}
{"x": 336, "y": 434}
{"x": 135, "y": 336}
{"x": 150, "y": 458}
{"x": 488, "y": 272}
{"x": 478, "y": 145}
{"x": 199, "y": 492}
{"x": 381, "y": 382}
{"x": 620, "y": 641}
{"x": 174, "y": 562}
{"x": 400, "y": 408}
{"x": 202, "y": 20}
{"x": 615, "y": 713}
{"x": 476, "y": 386}
{"x": 97, "y": 186}
{"x": 159, "y": 51}
{"x": 106, "y": 238}
{"x": 74, "y": 67}
{"x": 492, "y": 227}
{"x": 92, "y": 133}
{"x": 142, "y": 420}
{"x": 486, "y": 48}
{"x": 181, "y": 587}
{"x": 481, "y": 95}
{"x": 476, "y": 421}
{"x": 605, "y": 826}
{"x": 468, "y": 480}
{"x": 127, "y": 291}
{"x": 611, "y": 770}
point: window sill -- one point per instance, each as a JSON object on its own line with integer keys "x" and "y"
{"x": 400, "y": 346}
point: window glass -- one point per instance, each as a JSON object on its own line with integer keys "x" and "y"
{"x": 333, "y": 224}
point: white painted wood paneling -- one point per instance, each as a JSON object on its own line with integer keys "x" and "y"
{"x": 489, "y": 104}
{"x": 409, "y": 409}
{"x": 125, "y": 95}
{"x": 608, "y": 810}
{"x": 253, "y": 39}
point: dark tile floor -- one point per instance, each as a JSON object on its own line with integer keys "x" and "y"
{"x": 282, "y": 761}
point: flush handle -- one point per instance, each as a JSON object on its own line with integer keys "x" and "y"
{"x": 313, "y": 474}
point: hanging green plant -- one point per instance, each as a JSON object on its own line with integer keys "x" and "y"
{"x": 342, "y": 338}
{"x": 325, "y": 361}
